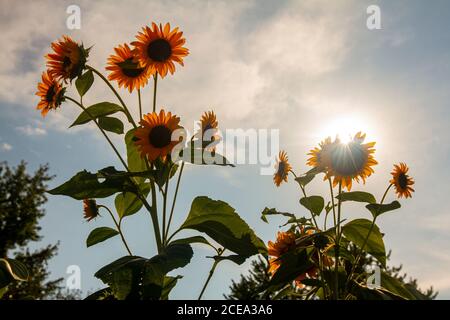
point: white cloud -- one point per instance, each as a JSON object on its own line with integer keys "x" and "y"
{"x": 32, "y": 131}
{"x": 5, "y": 147}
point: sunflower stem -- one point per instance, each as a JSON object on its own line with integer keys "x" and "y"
{"x": 119, "y": 229}
{"x": 211, "y": 272}
{"x": 155, "y": 86}
{"x": 127, "y": 112}
{"x": 174, "y": 199}
{"x": 336, "y": 247}
{"x": 166, "y": 190}
{"x": 140, "y": 104}
{"x": 372, "y": 226}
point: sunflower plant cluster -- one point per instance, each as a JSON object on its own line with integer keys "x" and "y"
{"x": 149, "y": 166}
{"x": 321, "y": 255}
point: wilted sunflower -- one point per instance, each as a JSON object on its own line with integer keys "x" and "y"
{"x": 282, "y": 169}
{"x": 90, "y": 209}
{"x": 126, "y": 69}
{"x": 154, "y": 137}
{"x": 321, "y": 156}
{"x": 402, "y": 181}
{"x": 158, "y": 48}
{"x": 51, "y": 93}
{"x": 351, "y": 161}
{"x": 68, "y": 60}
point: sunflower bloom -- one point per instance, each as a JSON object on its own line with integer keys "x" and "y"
{"x": 158, "y": 48}
{"x": 209, "y": 124}
{"x": 351, "y": 161}
{"x": 51, "y": 93}
{"x": 68, "y": 60}
{"x": 402, "y": 181}
{"x": 90, "y": 209}
{"x": 126, "y": 69}
{"x": 154, "y": 137}
{"x": 282, "y": 169}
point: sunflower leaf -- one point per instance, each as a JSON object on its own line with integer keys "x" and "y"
{"x": 96, "y": 111}
{"x": 357, "y": 196}
{"x": 377, "y": 209}
{"x": 84, "y": 82}
{"x": 315, "y": 204}
{"x": 99, "y": 235}
{"x": 111, "y": 124}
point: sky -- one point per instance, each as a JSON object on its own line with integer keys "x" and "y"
{"x": 307, "y": 68}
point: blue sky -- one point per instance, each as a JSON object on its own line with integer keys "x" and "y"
{"x": 307, "y": 68}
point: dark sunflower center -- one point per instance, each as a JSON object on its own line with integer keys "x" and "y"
{"x": 349, "y": 159}
{"x": 402, "y": 180}
{"x": 50, "y": 94}
{"x": 66, "y": 62}
{"x": 281, "y": 169}
{"x": 160, "y": 136}
{"x": 159, "y": 50}
{"x": 130, "y": 68}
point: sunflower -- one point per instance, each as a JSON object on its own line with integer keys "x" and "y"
{"x": 158, "y": 48}
{"x": 68, "y": 60}
{"x": 154, "y": 137}
{"x": 285, "y": 242}
{"x": 402, "y": 181}
{"x": 90, "y": 209}
{"x": 351, "y": 161}
{"x": 209, "y": 125}
{"x": 51, "y": 93}
{"x": 321, "y": 156}
{"x": 126, "y": 69}
{"x": 282, "y": 169}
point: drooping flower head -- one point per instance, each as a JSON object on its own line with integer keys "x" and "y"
{"x": 159, "y": 47}
{"x": 282, "y": 169}
{"x": 154, "y": 137}
{"x": 208, "y": 129}
{"x": 90, "y": 209}
{"x": 126, "y": 69}
{"x": 68, "y": 59}
{"x": 402, "y": 181}
{"x": 285, "y": 242}
{"x": 51, "y": 93}
{"x": 351, "y": 161}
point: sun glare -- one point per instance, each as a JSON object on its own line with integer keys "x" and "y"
{"x": 345, "y": 128}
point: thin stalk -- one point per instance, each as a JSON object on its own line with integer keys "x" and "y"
{"x": 119, "y": 229}
{"x": 140, "y": 104}
{"x": 336, "y": 248}
{"x": 155, "y": 86}
{"x": 372, "y": 226}
{"x": 332, "y": 202}
{"x": 166, "y": 190}
{"x": 211, "y": 272}
{"x": 174, "y": 199}
{"x": 127, "y": 112}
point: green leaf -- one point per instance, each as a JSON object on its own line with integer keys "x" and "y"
{"x": 273, "y": 211}
{"x": 136, "y": 163}
{"x": 86, "y": 185}
{"x": 238, "y": 259}
{"x": 15, "y": 268}
{"x": 111, "y": 124}
{"x": 199, "y": 155}
{"x": 306, "y": 178}
{"x": 378, "y": 209}
{"x": 84, "y": 82}
{"x": 163, "y": 171}
{"x": 96, "y": 111}
{"x": 195, "y": 239}
{"x": 356, "y": 231}
{"x": 221, "y": 222}
{"x": 168, "y": 284}
{"x": 128, "y": 203}
{"x": 397, "y": 287}
{"x": 99, "y": 235}
{"x": 358, "y": 196}
{"x": 3, "y": 290}
{"x": 314, "y": 204}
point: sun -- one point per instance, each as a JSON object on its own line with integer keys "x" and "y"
{"x": 345, "y": 128}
